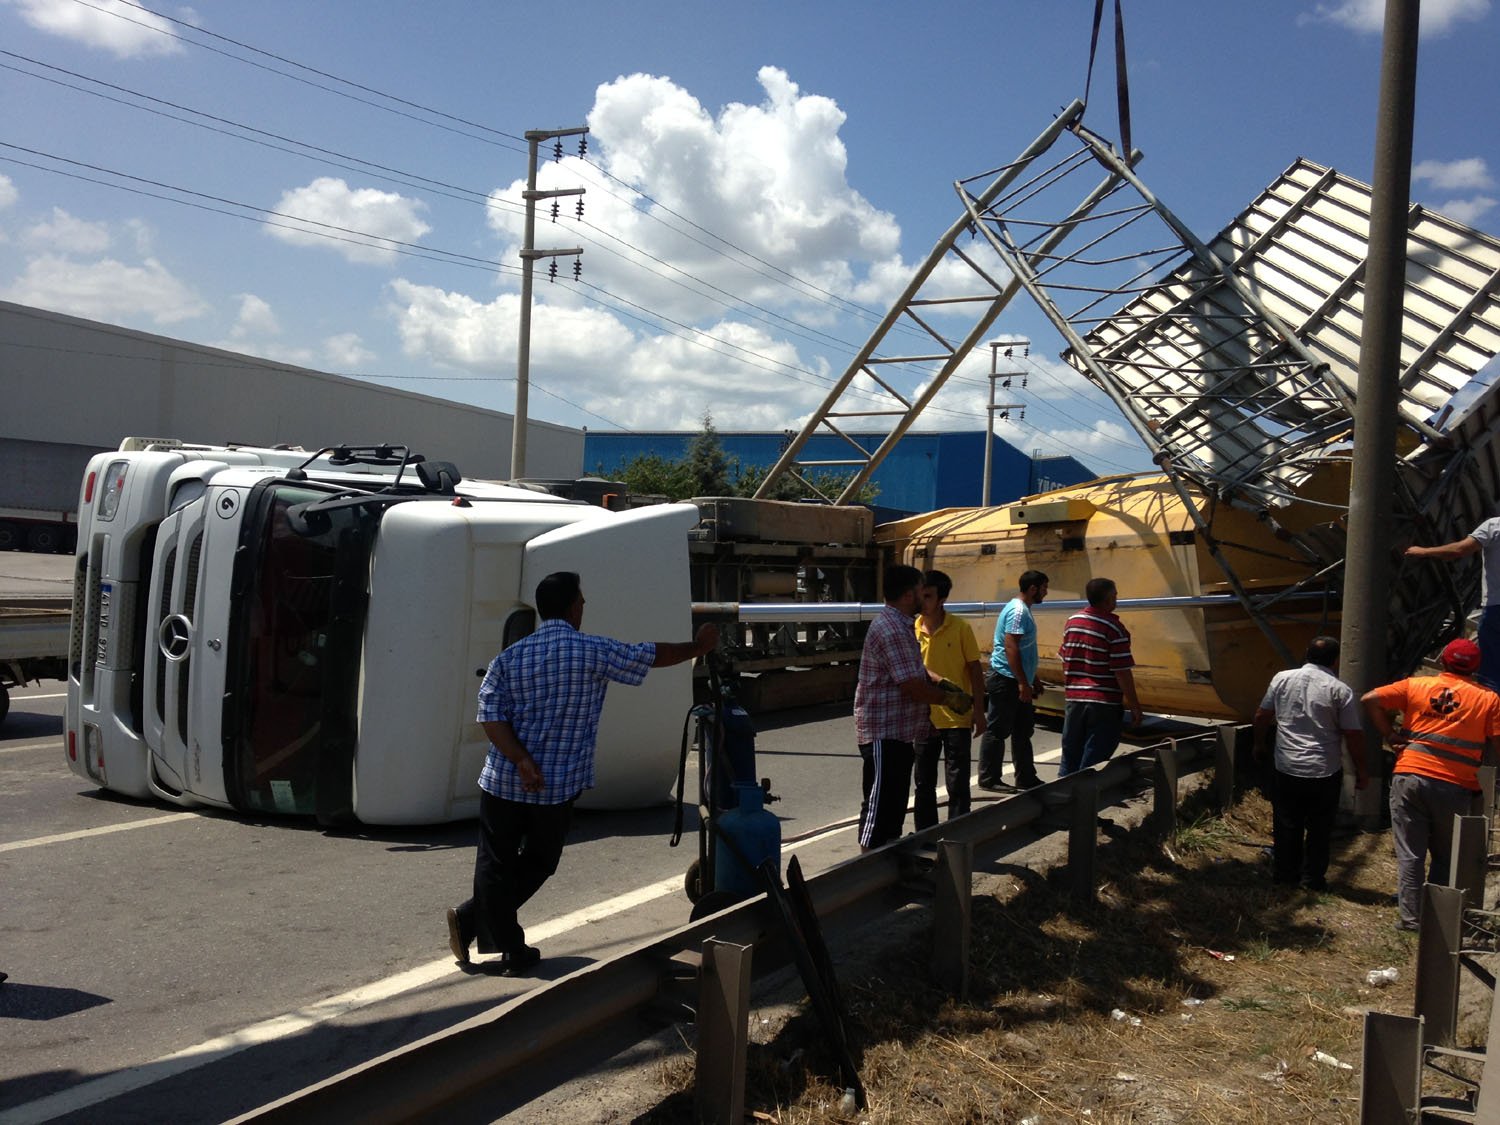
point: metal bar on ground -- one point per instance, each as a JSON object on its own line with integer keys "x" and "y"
{"x": 723, "y": 1033}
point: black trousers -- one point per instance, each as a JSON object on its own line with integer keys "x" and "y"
{"x": 1006, "y": 716}
{"x": 1303, "y": 811}
{"x": 952, "y": 744}
{"x": 519, "y": 847}
{"x": 885, "y": 782}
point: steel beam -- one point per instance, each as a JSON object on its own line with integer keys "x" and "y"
{"x": 1390, "y": 1086}
{"x": 952, "y": 910}
{"x": 1438, "y": 941}
{"x": 723, "y": 1033}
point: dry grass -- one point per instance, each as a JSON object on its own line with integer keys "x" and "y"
{"x": 1203, "y": 1038}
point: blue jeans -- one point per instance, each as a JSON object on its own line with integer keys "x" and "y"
{"x": 1090, "y": 734}
{"x": 1489, "y": 646}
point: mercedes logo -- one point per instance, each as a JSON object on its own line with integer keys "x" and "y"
{"x": 175, "y": 637}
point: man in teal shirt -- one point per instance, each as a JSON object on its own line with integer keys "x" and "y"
{"x": 1011, "y": 689}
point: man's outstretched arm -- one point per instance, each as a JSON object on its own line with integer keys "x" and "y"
{"x": 704, "y": 641}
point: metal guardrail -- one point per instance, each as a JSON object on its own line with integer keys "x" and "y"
{"x": 502, "y": 1059}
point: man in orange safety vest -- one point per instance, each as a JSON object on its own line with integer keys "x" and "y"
{"x": 1450, "y": 727}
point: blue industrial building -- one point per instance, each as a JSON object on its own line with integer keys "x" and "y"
{"x": 925, "y": 471}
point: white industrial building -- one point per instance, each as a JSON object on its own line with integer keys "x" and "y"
{"x": 70, "y": 388}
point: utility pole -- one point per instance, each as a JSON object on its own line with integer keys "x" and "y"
{"x": 529, "y": 255}
{"x": 1010, "y": 347}
{"x": 1367, "y": 561}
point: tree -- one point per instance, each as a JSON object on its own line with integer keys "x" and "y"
{"x": 707, "y": 463}
{"x": 650, "y": 474}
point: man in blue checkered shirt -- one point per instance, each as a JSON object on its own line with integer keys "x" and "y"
{"x": 539, "y": 705}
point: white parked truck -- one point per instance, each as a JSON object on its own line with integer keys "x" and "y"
{"x": 275, "y": 631}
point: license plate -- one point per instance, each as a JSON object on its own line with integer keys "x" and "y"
{"x": 106, "y": 610}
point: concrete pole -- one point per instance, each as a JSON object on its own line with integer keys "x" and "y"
{"x": 523, "y": 338}
{"x": 1367, "y": 562}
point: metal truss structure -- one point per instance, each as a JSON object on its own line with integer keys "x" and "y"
{"x": 1235, "y": 360}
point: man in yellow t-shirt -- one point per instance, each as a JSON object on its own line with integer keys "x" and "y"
{"x": 950, "y": 652}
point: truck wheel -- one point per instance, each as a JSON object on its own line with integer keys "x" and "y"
{"x": 10, "y": 536}
{"x": 4, "y": 702}
{"x": 693, "y": 884}
{"x": 44, "y": 539}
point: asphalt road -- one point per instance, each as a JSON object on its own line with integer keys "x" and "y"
{"x": 171, "y": 965}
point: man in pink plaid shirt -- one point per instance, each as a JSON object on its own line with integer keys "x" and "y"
{"x": 890, "y": 708}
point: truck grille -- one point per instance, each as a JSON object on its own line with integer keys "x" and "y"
{"x": 163, "y": 611}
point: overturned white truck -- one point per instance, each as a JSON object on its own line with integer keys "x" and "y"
{"x": 275, "y": 631}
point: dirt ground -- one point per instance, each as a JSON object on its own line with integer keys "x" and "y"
{"x": 1191, "y": 991}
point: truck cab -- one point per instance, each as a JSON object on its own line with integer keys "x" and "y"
{"x": 310, "y": 640}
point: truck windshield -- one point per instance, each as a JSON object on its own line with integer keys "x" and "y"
{"x": 293, "y": 674}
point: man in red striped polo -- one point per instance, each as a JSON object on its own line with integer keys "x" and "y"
{"x": 1098, "y": 683}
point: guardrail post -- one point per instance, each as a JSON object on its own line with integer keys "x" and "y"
{"x": 1438, "y": 937}
{"x": 1164, "y": 784}
{"x": 1390, "y": 1087}
{"x": 1488, "y": 1106}
{"x": 1470, "y": 856}
{"x": 1225, "y": 747}
{"x": 952, "y": 911}
{"x": 1487, "y": 788}
{"x": 1083, "y": 837}
{"x": 723, "y": 1033}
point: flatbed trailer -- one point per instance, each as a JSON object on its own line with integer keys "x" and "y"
{"x": 33, "y": 642}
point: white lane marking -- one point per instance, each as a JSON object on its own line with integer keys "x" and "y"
{"x": 85, "y": 833}
{"x": 30, "y": 698}
{"x": 97, "y": 1090}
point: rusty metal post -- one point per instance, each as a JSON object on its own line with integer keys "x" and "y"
{"x": 1083, "y": 837}
{"x": 952, "y": 911}
{"x": 1390, "y": 1086}
{"x": 1438, "y": 939}
{"x": 723, "y": 1033}
{"x": 1164, "y": 789}
{"x": 1367, "y": 547}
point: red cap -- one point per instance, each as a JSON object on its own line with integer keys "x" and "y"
{"x": 1461, "y": 656}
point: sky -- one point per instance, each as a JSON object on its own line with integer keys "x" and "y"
{"x": 338, "y": 185}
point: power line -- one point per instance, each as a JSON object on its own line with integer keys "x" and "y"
{"x": 116, "y": 14}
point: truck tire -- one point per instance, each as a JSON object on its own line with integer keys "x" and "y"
{"x": 44, "y": 539}
{"x": 4, "y": 702}
{"x": 10, "y": 536}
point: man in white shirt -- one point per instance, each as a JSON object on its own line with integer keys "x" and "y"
{"x": 1485, "y": 538}
{"x": 1315, "y": 715}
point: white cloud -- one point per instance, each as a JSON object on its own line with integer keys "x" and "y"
{"x": 255, "y": 319}
{"x": 1468, "y": 211}
{"x": 8, "y": 192}
{"x": 124, "y": 29}
{"x": 1468, "y": 174}
{"x": 346, "y": 352}
{"x": 589, "y": 359}
{"x": 105, "y": 290}
{"x": 66, "y": 234}
{"x": 768, "y": 178}
{"x": 383, "y": 216}
{"x": 1437, "y": 16}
